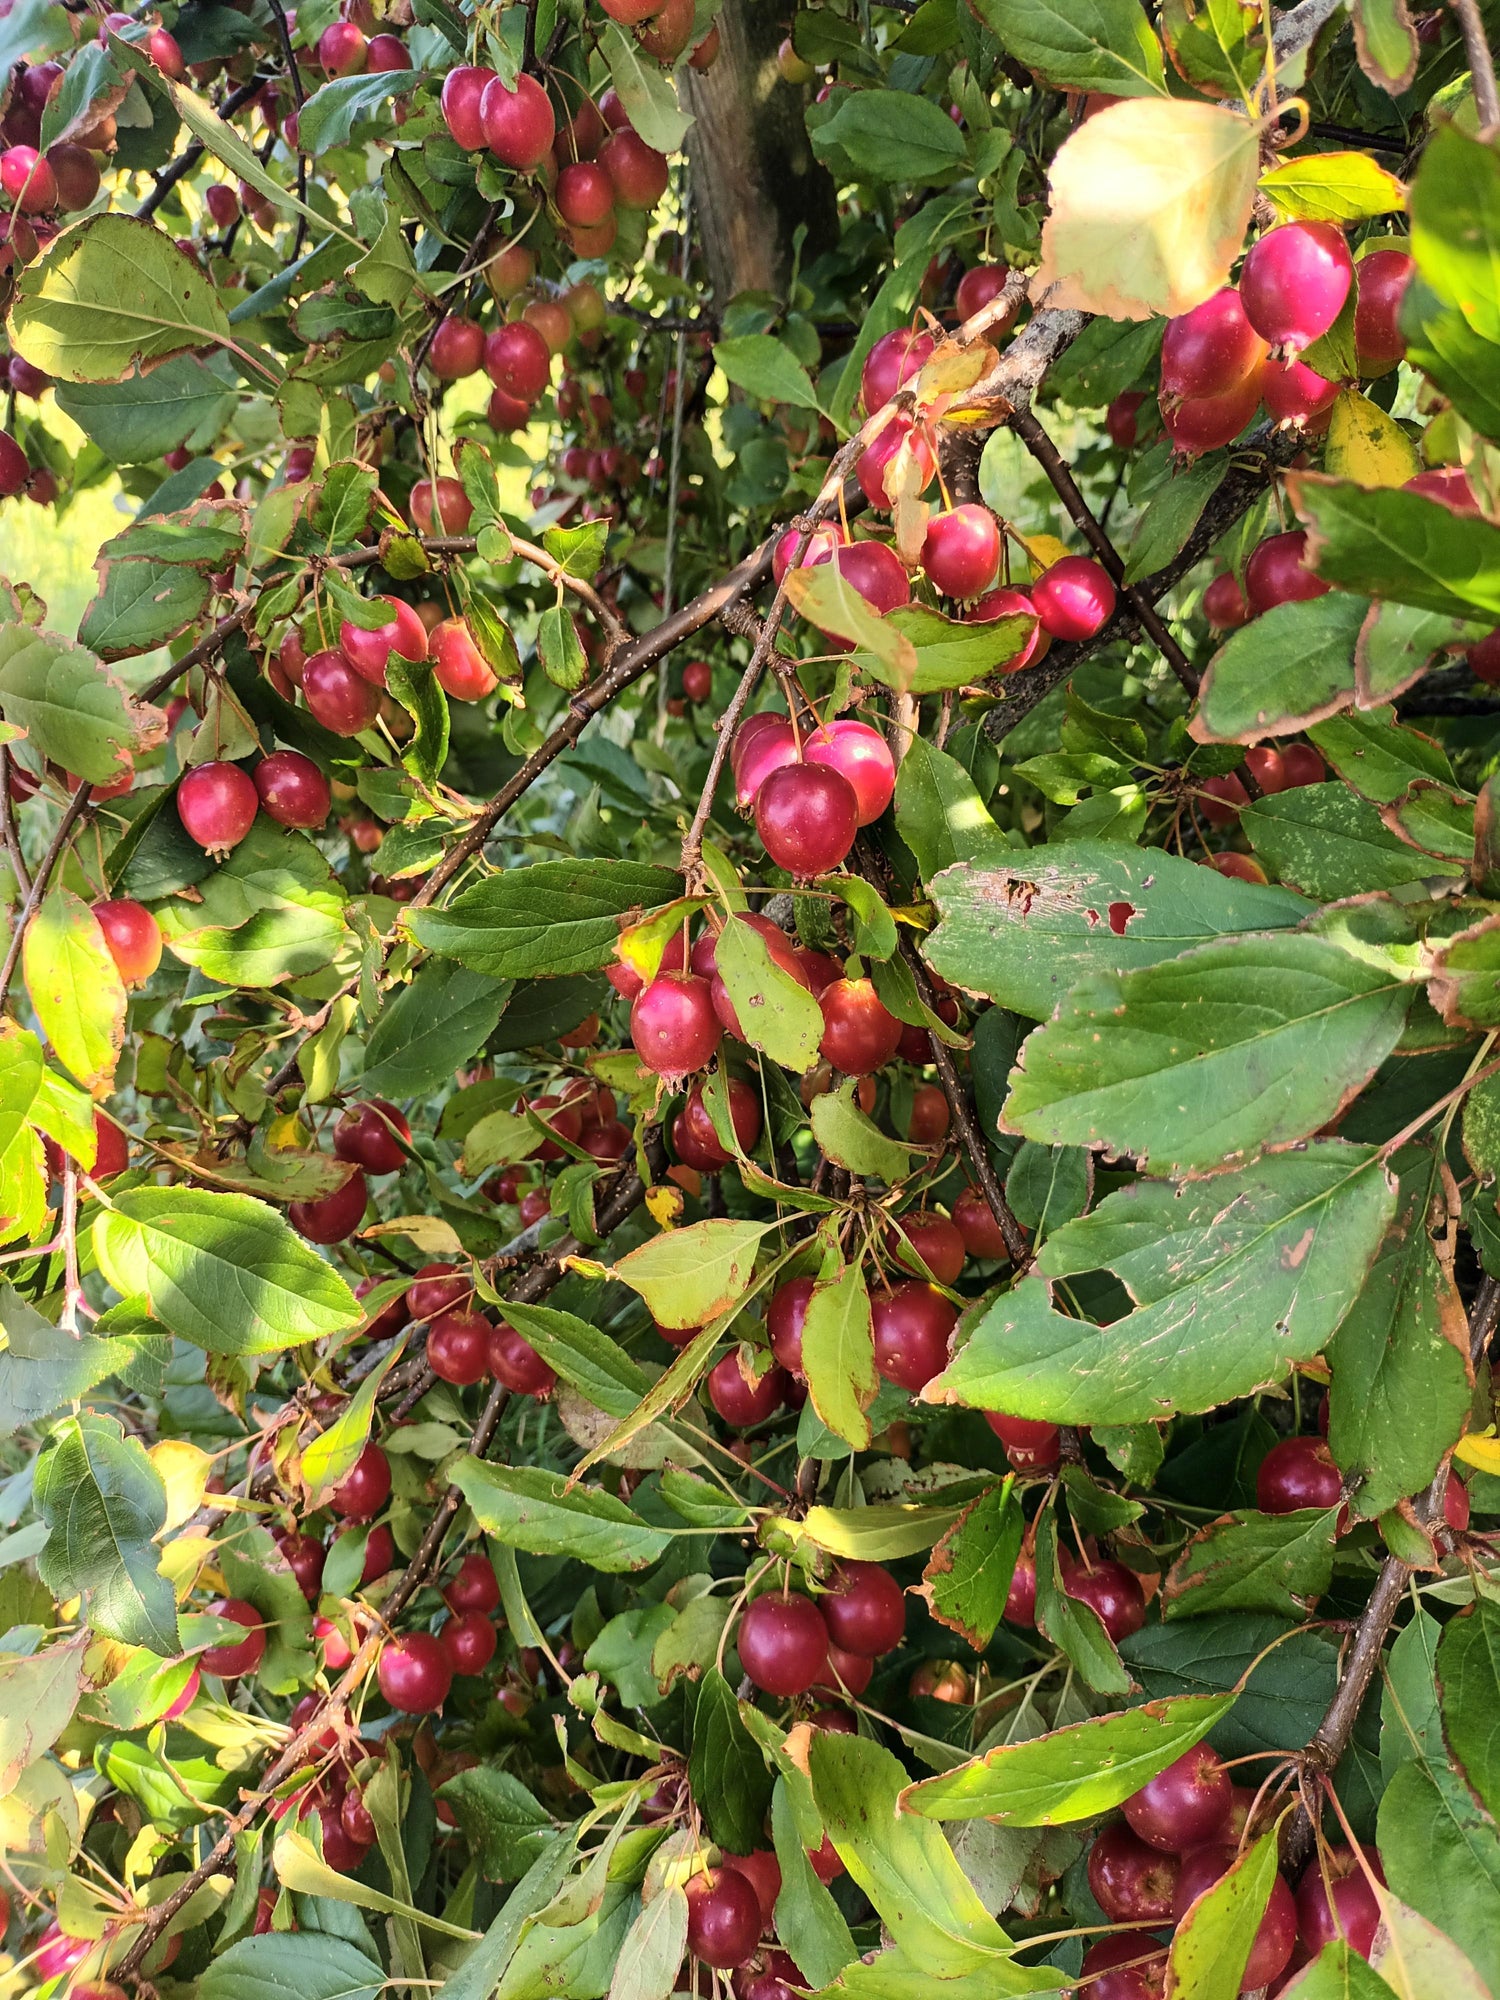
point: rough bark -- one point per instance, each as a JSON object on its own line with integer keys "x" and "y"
{"x": 754, "y": 176}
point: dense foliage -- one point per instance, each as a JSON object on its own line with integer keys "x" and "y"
{"x": 750, "y": 1112}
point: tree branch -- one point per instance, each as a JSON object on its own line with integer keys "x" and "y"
{"x": 1481, "y": 65}
{"x": 74, "y": 811}
{"x": 191, "y": 155}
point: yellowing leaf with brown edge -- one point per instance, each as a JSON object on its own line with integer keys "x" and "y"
{"x": 75, "y": 988}
{"x": 827, "y": 600}
{"x": 1366, "y": 445}
{"x": 1150, "y": 202}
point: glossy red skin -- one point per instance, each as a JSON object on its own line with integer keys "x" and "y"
{"x": 518, "y": 360}
{"x": 15, "y": 468}
{"x": 1275, "y": 574}
{"x": 222, "y": 203}
{"x": 1448, "y": 485}
{"x": 368, "y": 652}
{"x": 506, "y": 413}
{"x": 976, "y": 1224}
{"x": 807, "y": 816}
{"x": 1074, "y": 599}
{"x": 438, "y": 1288}
{"x": 27, "y": 181}
{"x": 929, "y": 1120}
{"x": 414, "y": 1674}
{"x": 342, "y": 49}
{"x": 387, "y": 52}
{"x": 1131, "y": 1882}
{"x": 912, "y": 1325}
{"x": 1293, "y": 393}
{"x": 872, "y": 468}
{"x": 877, "y": 573}
{"x": 585, "y": 194}
{"x": 608, "y": 1142}
{"x": 336, "y": 1216}
{"x": 292, "y": 790}
{"x": 1126, "y": 1967}
{"x": 338, "y": 697}
{"x": 673, "y": 1027}
{"x": 1298, "y": 1472}
{"x": 1220, "y": 799}
{"x": 519, "y": 125}
{"x": 462, "y": 89}
{"x": 342, "y": 1853}
{"x": 962, "y": 550}
{"x": 380, "y": 1551}
{"x": 1184, "y": 1805}
{"x": 1382, "y": 278}
{"x": 1211, "y": 350}
{"x": 821, "y": 970}
{"x": 366, "y": 1489}
{"x": 1122, "y": 421}
{"x": 1112, "y": 1591}
{"x": 698, "y": 681}
{"x": 724, "y": 1920}
{"x": 516, "y": 1363}
{"x": 1277, "y": 1935}
{"x": 891, "y": 362}
{"x": 1456, "y": 1504}
{"x": 860, "y": 755}
{"x": 859, "y": 1034}
{"x": 977, "y": 287}
{"x": 133, "y": 936}
{"x": 441, "y": 506}
{"x": 1207, "y": 423}
{"x": 357, "y": 1820}
{"x": 1354, "y": 1911}
{"x": 475, "y": 1587}
{"x": 742, "y": 1404}
{"x": 821, "y": 544}
{"x": 865, "y": 1611}
{"x": 1020, "y": 1598}
{"x": 1030, "y": 1444}
{"x": 762, "y": 1871}
{"x": 535, "y": 1206}
{"x": 457, "y": 350}
{"x": 367, "y": 1134}
{"x": 637, "y": 172}
{"x": 458, "y": 1347}
{"x": 468, "y": 1641}
{"x": 783, "y": 1643}
{"x": 785, "y": 1316}
{"x": 57, "y": 1954}
{"x": 305, "y": 1557}
{"x": 230, "y": 1661}
{"x": 1242, "y": 867}
{"x": 693, "y": 1136}
{"x": 1224, "y": 603}
{"x": 935, "y": 1240}
{"x": 217, "y": 804}
{"x": 770, "y": 748}
{"x": 1008, "y": 603}
{"x": 1294, "y": 281}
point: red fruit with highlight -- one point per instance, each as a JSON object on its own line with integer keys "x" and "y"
{"x": 468, "y": 1641}
{"x": 438, "y": 1288}
{"x": 240, "y": 1656}
{"x": 740, "y": 1403}
{"x": 933, "y": 1238}
{"x": 342, "y": 700}
{"x": 859, "y": 1034}
{"x": 1074, "y": 599}
{"x": 1382, "y": 278}
{"x": 333, "y": 1217}
{"x": 673, "y": 1026}
{"x": 865, "y": 1611}
{"x": 891, "y": 362}
{"x": 518, "y": 360}
{"x": 724, "y": 1920}
{"x": 877, "y": 470}
{"x": 1296, "y": 1473}
{"x": 1294, "y": 281}
{"x": 463, "y": 89}
{"x": 1114, "y": 1592}
{"x": 1207, "y": 423}
{"x": 1293, "y": 393}
{"x": 458, "y": 1347}
{"x": 807, "y": 816}
{"x": 366, "y": 1489}
{"x": 217, "y": 804}
{"x": 783, "y": 1643}
{"x": 519, "y": 125}
{"x": 1131, "y": 1882}
{"x": 976, "y": 1224}
{"x": 977, "y": 287}
{"x": 475, "y": 1587}
{"x": 962, "y": 550}
{"x": 585, "y": 194}
{"x": 292, "y": 790}
{"x": 369, "y": 652}
{"x": 1211, "y": 350}
{"x": 133, "y": 936}
{"x": 1127, "y": 1967}
{"x": 1030, "y": 1444}
{"x": 1277, "y": 1933}
{"x": 414, "y": 1674}
{"x": 515, "y": 1362}
{"x": 1276, "y": 572}
{"x": 912, "y": 1325}
{"x": 1224, "y": 603}
{"x": 1342, "y": 1906}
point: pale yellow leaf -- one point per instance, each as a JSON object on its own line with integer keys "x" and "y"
{"x": 1366, "y": 445}
{"x": 1150, "y": 201}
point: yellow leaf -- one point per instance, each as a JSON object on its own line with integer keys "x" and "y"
{"x": 431, "y": 1235}
{"x": 1366, "y": 445}
{"x": 1332, "y": 187}
{"x": 1044, "y": 551}
{"x": 1481, "y": 1452}
{"x": 1150, "y": 201}
{"x": 666, "y": 1205}
{"x": 183, "y": 1470}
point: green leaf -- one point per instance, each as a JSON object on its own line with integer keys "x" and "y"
{"x": 1215, "y": 45}
{"x": 1170, "y": 517}
{"x": 689, "y": 1276}
{"x": 102, "y": 1501}
{"x": 1332, "y": 187}
{"x": 1073, "y": 1773}
{"x": 113, "y": 294}
{"x": 1468, "y": 1669}
{"x": 1292, "y": 666}
{"x": 76, "y": 988}
{"x": 430, "y": 1028}
{"x": 43, "y": 1366}
{"x": 73, "y": 710}
{"x": 291, "y": 1965}
{"x": 38, "y": 1695}
{"x": 776, "y": 1013}
{"x": 939, "y": 813}
{"x": 902, "y": 1863}
{"x": 330, "y": 115}
{"x": 1047, "y": 1186}
{"x": 1103, "y": 45}
{"x": 329, "y": 1458}
{"x": 539, "y": 1513}
{"x": 1268, "y": 1036}
{"x": 968, "y": 1576}
{"x": 415, "y": 686}
{"x": 1329, "y": 843}
{"x": 1338, "y": 1973}
{"x": 727, "y": 1773}
{"x": 1400, "y": 1389}
{"x": 1386, "y": 39}
{"x": 1442, "y": 1856}
{"x": 648, "y": 95}
{"x": 223, "y": 1271}
{"x": 477, "y": 1977}
{"x": 1254, "y": 1562}
{"x": 1378, "y": 757}
{"x": 883, "y": 1531}
{"x": 1073, "y": 1626}
{"x": 891, "y": 135}
{"x": 850, "y": 1139}
{"x": 506, "y": 1828}
{"x": 838, "y": 1355}
{"x": 1236, "y": 1278}
{"x": 146, "y": 415}
{"x": 273, "y": 911}
{"x": 549, "y": 918}
{"x": 894, "y": 1975}
{"x": 583, "y": 1355}
{"x": 1389, "y": 543}
{"x": 1463, "y": 365}
{"x": 808, "y": 1920}
{"x": 825, "y": 597}
{"x": 1023, "y": 932}
{"x": 766, "y": 368}
{"x": 950, "y": 652}
{"x": 1212, "y": 1943}
{"x": 141, "y": 605}
{"x": 1455, "y": 225}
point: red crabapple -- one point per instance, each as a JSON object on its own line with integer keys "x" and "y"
{"x": 1294, "y": 283}
{"x": 1074, "y": 599}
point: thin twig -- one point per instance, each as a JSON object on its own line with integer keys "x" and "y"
{"x": 1481, "y": 65}
{"x": 185, "y": 162}
{"x": 674, "y": 461}
{"x": 8, "y": 823}
{"x": 73, "y": 812}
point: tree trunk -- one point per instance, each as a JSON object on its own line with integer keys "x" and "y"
{"x": 754, "y": 175}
